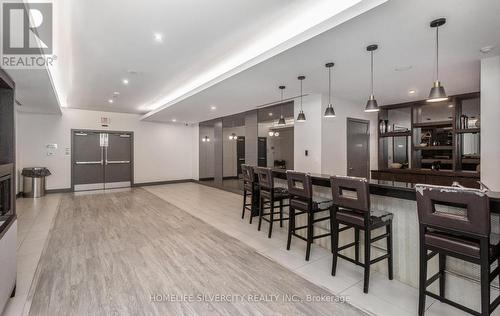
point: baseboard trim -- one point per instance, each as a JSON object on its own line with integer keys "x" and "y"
{"x": 64, "y": 190}
{"x": 146, "y": 184}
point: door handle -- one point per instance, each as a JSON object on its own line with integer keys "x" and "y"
{"x": 88, "y": 162}
{"x": 117, "y": 161}
{"x": 351, "y": 168}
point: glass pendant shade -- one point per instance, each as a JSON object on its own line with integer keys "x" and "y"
{"x": 329, "y": 112}
{"x": 301, "y": 117}
{"x": 371, "y": 105}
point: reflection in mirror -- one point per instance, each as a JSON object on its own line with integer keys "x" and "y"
{"x": 398, "y": 152}
{"x": 207, "y": 153}
{"x": 233, "y": 147}
{"x": 275, "y": 142}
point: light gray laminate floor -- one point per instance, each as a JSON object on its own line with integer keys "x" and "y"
{"x": 107, "y": 253}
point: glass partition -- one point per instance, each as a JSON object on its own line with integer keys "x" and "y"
{"x": 275, "y": 141}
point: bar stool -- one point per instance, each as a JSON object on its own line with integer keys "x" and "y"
{"x": 269, "y": 195}
{"x": 249, "y": 188}
{"x": 455, "y": 222}
{"x": 351, "y": 208}
{"x": 301, "y": 202}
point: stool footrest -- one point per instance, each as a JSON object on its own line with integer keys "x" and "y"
{"x": 346, "y": 246}
{"x": 431, "y": 255}
{"x": 379, "y": 258}
{"x": 345, "y": 228}
{"x": 322, "y": 235}
{"x": 321, "y": 219}
{"x": 452, "y": 303}
{"x": 380, "y": 237}
{"x": 350, "y": 260}
{"x": 494, "y": 273}
{"x": 298, "y": 236}
{"x": 432, "y": 279}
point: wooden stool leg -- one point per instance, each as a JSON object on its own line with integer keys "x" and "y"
{"x": 356, "y": 245}
{"x": 442, "y": 280}
{"x": 261, "y": 210}
{"x": 389, "y": 251}
{"x": 422, "y": 277}
{"x": 367, "y": 260}
{"x": 271, "y": 218}
{"x": 291, "y": 226}
{"x": 485, "y": 278}
{"x": 332, "y": 228}
{"x": 281, "y": 213}
{"x": 244, "y": 202}
{"x": 251, "y": 207}
{"x": 335, "y": 246}
{"x": 310, "y": 232}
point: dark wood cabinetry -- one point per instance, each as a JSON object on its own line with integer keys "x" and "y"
{"x": 442, "y": 136}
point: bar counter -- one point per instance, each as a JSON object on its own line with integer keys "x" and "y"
{"x": 395, "y": 189}
{"x": 399, "y": 198}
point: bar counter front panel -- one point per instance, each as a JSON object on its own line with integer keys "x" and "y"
{"x": 399, "y": 199}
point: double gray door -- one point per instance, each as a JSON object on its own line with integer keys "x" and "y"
{"x": 101, "y": 160}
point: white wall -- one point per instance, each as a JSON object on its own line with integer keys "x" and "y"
{"x": 334, "y": 136}
{"x": 307, "y": 135}
{"x": 490, "y": 118}
{"x": 161, "y": 151}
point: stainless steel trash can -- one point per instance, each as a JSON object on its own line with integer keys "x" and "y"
{"x": 34, "y": 181}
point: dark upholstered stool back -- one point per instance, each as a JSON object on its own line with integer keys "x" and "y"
{"x": 266, "y": 179}
{"x": 351, "y": 192}
{"x": 248, "y": 173}
{"x": 299, "y": 185}
{"x": 457, "y": 209}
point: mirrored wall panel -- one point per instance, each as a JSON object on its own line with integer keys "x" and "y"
{"x": 207, "y": 152}
{"x": 233, "y": 148}
{"x": 275, "y": 141}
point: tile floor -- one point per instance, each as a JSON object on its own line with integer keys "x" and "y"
{"x": 222, "y": 210}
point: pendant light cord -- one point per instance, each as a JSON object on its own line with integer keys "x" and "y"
{"x": 437, "y": 53}
{"x": 281, "y": 105}
{"x": 372, "y": 70}
{"x": 301, "y": 95}
{"x": 330, "y": 85}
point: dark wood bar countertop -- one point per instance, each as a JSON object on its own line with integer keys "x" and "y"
{"x": 395, "y": 189}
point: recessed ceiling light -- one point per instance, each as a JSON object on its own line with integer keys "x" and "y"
{"x": 486, "y": 49}
{"x": 174, "y": 120}
{"x": 111, "y": 101}
{"x": 270, "y": 113}
{"x": 158, "y": 37}
{"x": 116, "y": 93}
{"x": 125, "y": 81}
{"x": 403, "y": 68}
{"x": 450, "y": 105}
{"x": 412, "y": 91}
{"x": 213, "y": 108}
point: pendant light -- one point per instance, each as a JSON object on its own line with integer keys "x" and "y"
{"x": 282, "y": 119}
{"x": 301, "y": 117}
{"x": 371, "y": 105}
{"x": 437, "y": 93}
{"x": 330, "y": 111}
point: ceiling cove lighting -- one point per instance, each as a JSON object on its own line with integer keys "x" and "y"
{"x": 301, "y": 117}
{"x": 330, "y": 111}
{"x": 371, "y": 105}
{"x": 158, "y": 37}
{"x": 437, "y": 93}
{"x": 281, "y": 121}
{"x": 125, "y": 81}
{"x": 111, "y": 101}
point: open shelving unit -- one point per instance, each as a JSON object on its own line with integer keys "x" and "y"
{"x": 434, "y": 132}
